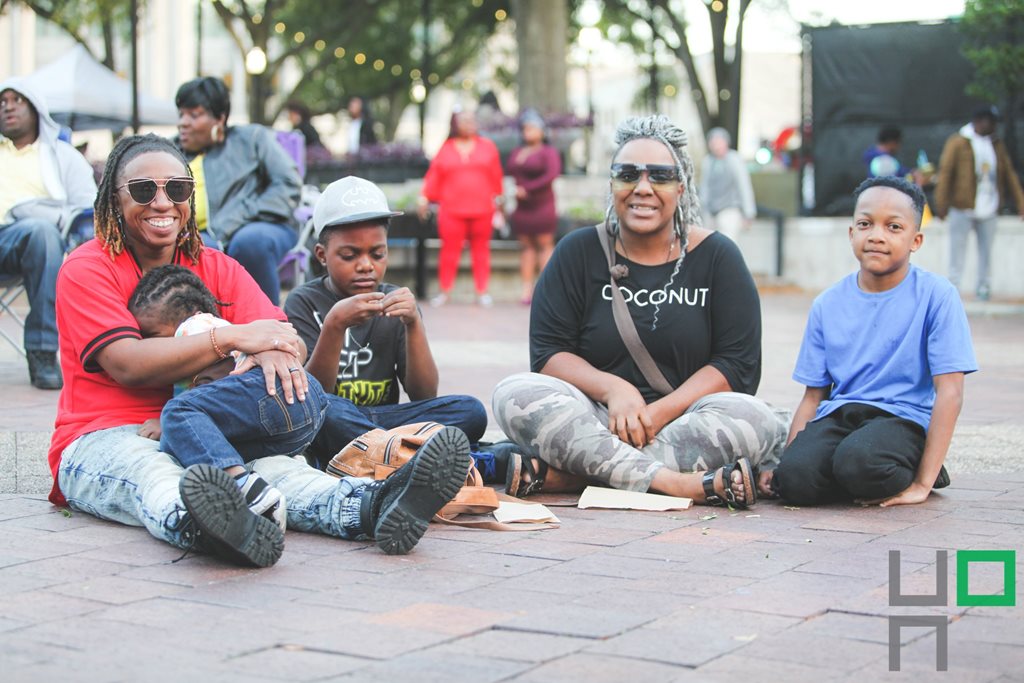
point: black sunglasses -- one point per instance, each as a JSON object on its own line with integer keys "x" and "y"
{"x": 626, "y": 176}
{"x": 143, "y": 190}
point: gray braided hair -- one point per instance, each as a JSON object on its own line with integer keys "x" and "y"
{"x": 659, "y": 127}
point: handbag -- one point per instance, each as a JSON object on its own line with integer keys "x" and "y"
{"x": 624, "y": 321}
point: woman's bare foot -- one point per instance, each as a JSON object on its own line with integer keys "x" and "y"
{"x": 551, "y": 479}
{"x": 560, "y": 481}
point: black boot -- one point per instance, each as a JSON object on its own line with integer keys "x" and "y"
{"x": 395, "y": 511}
{"x": 43, "y": 370}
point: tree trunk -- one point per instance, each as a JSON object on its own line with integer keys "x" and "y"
{"x": 108, "y": 43}
{"x": 541, "y": 28}
{"x": 718, "y": 22}
{"x": 1010, "y": 134}
{"x": 730, "y": 109}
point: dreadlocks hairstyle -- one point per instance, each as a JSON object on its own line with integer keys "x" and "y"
{"x": 107, "y": 213}
{"x": 660, "y": 128}
{"x": 172, "y": 293}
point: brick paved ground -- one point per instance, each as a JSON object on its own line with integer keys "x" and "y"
{"x": 701, "y": 595}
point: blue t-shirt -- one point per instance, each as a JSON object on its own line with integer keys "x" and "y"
{"x": 883, "y": 348}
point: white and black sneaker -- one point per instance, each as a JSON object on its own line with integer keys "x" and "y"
{"x": 395, "y": 511}
{"x": 264, "y": 499}
{"x": 227, "y": 527}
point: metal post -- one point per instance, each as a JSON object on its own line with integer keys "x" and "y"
{"x": 425, "y": 13}
{"x": 780, "y": 230}
{"x": 199, "y": 38}
{"x": 421, "y": 257}
{"x": 134, "y": 21}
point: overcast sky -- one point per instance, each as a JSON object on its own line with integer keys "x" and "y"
{"x": 769, "y": 27}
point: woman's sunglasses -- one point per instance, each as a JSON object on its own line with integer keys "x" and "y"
{"x": 660, "y": 176}
{"x": 143, "y": 190}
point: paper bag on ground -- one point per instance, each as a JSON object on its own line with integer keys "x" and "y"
{"x": 598, "y": 497}
{"x": 523, "y": 512}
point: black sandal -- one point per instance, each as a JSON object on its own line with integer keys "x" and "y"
{"x": 518, "y": 465}
{"x": 729, "y": 497}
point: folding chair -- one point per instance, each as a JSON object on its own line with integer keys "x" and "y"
{"x": 12, "y": 287}
{"x": 295, "y": 265}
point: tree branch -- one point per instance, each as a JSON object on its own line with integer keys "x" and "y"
{"x": 227, "y": 17}
{"x": 53, "y": 17}
{"x": 683, "y": 54}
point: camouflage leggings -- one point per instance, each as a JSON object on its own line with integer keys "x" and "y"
{"x": 555, "y": 421}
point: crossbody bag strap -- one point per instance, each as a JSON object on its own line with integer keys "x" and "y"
{"x": 626, "y": 326}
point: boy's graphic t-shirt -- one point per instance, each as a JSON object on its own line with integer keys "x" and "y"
{"x": 710, "y": 315}
{"x": 373, "y": 356}
{"x": 883, "y": 348}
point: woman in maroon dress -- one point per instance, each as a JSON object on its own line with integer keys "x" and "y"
{"x": 534, "y": 167}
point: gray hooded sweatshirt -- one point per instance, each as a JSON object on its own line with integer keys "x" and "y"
{"x": 66, "y": 174}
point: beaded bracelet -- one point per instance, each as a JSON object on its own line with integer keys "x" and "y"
{"x": 216, "y": 346}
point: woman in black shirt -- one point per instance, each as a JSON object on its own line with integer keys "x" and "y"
{"x": 590, "y": 413}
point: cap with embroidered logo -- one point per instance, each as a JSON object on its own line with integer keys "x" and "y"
{"x": 350, "y": 200}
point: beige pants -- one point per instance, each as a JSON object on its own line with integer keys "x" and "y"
{"x": 729, "y": 222}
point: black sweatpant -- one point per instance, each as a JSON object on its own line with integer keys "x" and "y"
{"x": 856, "y": 452}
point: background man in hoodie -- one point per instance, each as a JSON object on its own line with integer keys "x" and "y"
{"x": 976, "y": 178}
{"x": 43, "y": 182}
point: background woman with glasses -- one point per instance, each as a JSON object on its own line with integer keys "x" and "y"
{"x": 247, "y": 187}
{"x": 587, "y": 412}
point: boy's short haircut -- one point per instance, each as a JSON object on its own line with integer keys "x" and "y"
{"x": 899, "y": 184}
{"x": 890, "y": 134}
{"x": 174, "y": 290}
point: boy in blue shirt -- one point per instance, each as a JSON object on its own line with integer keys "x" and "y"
{"x": 883, "y": 358}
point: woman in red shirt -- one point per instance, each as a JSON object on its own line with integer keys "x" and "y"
{"x": 464, "y": 180}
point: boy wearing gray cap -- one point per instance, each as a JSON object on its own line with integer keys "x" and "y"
{"x": 366, "y": 336}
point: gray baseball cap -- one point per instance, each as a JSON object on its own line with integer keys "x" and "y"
{"x": 350, "y": 200}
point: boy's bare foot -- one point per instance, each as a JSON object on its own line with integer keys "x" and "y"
{"x": 766, "y": 484}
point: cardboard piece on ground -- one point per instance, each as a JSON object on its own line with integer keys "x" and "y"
{"x": 599, "y": 497}
{"x": 523, "y": 512}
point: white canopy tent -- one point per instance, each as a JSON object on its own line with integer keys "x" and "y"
{"x": 83, "y": 94}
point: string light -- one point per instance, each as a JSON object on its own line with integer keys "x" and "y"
{"x": 501, "y": 15}
{"x": 257, "y": 18}
{"x": 279, "y": 27}
{"x": 433, "y": 79}
{"x": 670, "y": 90}
{"x": 415, "y": 74}
{"x": 320, "y": 45}
{"x": 360, "y": 58}
{"x": 378, "y": 65}
{"x": 339, "y": 52}
{"x": 300, "y": 37}
{"x": 396, "y": 70}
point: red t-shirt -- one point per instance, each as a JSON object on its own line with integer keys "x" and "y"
{"x": 92, "y": 312}
{"x": 465, "y": 187}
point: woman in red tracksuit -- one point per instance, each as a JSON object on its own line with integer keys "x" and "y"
{"x": 464, "y": 179}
